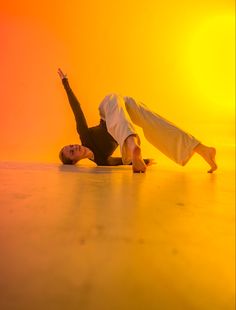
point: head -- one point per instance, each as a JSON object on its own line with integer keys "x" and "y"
{"x": 71, "y": 154}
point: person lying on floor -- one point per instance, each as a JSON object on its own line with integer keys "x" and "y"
{"x": 118, "y": 117}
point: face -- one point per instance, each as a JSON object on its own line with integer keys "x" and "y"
{"x": 76, "y": 152}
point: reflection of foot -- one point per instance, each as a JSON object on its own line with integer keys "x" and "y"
{"x": 137, "y": 161}
{"x": 209, "y": 154}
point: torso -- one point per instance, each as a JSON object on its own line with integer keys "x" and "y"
{"x": 102, "y": 144}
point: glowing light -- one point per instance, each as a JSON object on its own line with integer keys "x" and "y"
{"x": 211, "y": 60}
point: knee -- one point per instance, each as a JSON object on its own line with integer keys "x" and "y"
{"x": 115, "y": 99}
{"x": 129, "y": 101}
{"x": 110, "y": 102}
{"x": 113, "y": 96}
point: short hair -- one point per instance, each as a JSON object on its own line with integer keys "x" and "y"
{"x": 65, "y": 160}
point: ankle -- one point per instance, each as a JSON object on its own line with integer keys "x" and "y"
{"x": 132, "y": 142}
{"x": 200, "y": 148}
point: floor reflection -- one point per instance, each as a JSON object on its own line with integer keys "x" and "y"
{"x": 82, "y": 237}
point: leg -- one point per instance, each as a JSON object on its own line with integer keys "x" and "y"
{"x": 166, "y": 137}
{"x": 208, "y": 154}
{"x": 119, "y": 125}
{"x": 132, "y": 143}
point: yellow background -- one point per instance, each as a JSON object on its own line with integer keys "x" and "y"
{"x": 176, "y": 56}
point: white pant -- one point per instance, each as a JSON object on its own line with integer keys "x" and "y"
{"x": 121, "y": 113}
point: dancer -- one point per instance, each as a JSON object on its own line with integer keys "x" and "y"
{"x": 118, "y": 117}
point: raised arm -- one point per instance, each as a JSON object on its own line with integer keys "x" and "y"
{"x": 81, "y": 124}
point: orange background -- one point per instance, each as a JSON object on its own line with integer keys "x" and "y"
{"x": 177, "y": 57}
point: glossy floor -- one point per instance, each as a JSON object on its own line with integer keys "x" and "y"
{"x": 101, "y": 238}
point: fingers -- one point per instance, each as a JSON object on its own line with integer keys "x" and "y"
{"x": 61, "y": 74}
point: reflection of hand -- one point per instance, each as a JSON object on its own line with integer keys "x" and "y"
{"x": 61, "y": 74}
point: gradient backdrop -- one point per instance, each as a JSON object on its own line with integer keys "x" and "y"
{"x": 175, "y": 56}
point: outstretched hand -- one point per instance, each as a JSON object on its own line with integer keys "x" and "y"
{"x": 61, "y": 74}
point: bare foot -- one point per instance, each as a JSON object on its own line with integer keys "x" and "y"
{"x": 209, "y": 154}
{"x": 138, "y": 164}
